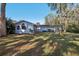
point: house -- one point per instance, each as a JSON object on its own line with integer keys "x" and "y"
{"x": 24, "y": 27}
{"x": 50, "y": 28}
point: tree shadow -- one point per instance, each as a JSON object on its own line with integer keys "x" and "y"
{"x": 11, "y": 48}
{"x": 36, "y": 51}
{"x": 63, "y": 43}
{"x": 60, "y": 46}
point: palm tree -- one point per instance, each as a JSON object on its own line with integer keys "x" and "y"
{"x": 2, "y": 20}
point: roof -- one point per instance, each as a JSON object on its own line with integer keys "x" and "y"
{"x": 51, "y": 25}
{"x": 24, "y": 21}
{"x": 60, "y": 25}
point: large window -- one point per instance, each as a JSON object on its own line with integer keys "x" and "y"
{"x": 30, "y": 30}
{"x": 23, "y": 26}
{"x": 18, "y": 27}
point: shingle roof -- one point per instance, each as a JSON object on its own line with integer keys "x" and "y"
{"x": 60, "y": 25}
{"x": 24, "y": 21}
{"x": 51, "y": 25}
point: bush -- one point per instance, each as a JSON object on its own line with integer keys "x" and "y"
{"x": 73, "y": 28}
{"x": 10, "y": 26}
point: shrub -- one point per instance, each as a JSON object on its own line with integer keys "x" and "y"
{"x": 73, "y": 28}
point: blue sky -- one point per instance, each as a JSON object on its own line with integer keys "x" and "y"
{"x": 33, "y": 12}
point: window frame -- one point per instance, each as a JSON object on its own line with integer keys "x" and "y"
{"x": 23, "y": 26}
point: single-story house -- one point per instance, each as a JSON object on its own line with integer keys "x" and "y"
{"x": 50, "y": 28}
{"x": 24, "y": 27}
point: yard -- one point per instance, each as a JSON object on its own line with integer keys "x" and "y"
{"x": 42, "y": 44}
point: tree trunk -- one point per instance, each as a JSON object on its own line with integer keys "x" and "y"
{"x": 2, "y": 20}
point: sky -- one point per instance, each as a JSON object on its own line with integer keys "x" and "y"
{"x": 32, "y": 12}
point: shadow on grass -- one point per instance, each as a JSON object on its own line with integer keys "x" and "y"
{"x": 37, "y": 50}
{"x": 55, "y": 45}
{"x": 11, "y": 48}
{"x": 63, "y": 45}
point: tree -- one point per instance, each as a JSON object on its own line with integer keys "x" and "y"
{"x": 49, "y": 19}
{"x": 2, "y": 20}
{"x": 10, "y": 26}
{"x": 67, "y": 14}
{"x": 58, "y": 6}
{"x": 62, "y": 12}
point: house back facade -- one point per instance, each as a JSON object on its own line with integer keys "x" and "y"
{"x": 24, "y": 27}
{"x": 50, "y": 28}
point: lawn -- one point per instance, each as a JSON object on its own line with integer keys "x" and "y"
{"x": 41, "y": 44}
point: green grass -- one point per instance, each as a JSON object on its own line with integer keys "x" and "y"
{"x": 41, "y": 44}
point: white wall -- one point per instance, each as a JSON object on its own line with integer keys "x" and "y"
{"x": 28, "y": 26}
{"x": 41, "y": 29}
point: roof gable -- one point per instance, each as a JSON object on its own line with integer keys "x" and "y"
{"x": 24, "y": 21}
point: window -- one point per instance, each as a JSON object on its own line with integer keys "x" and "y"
{"x": 18, "y": 27}
{"x": 30, "y": 30}
{"x": 23, "y": 26}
